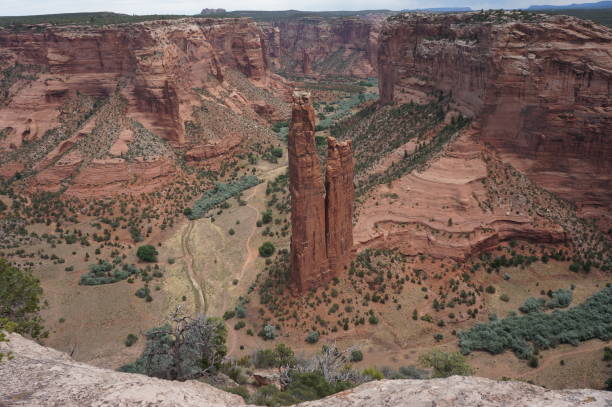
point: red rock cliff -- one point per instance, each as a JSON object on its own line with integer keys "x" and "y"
{"x": 321, "y": 221}
{"x": 308, "y": 250}
{"x": 340, "y": 194}
{"x": 540, "y": 89}
{"x": 325, "y": 46}
{"x": 190, "y": 82}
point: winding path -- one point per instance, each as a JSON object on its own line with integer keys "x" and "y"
{"x": 201, "y": 305}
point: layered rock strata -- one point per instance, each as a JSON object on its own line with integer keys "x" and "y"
{"x": 339, "y": 204}
{"x": 308, "y": 241}
{"x": 321, "y": 218}
{"x": 538, "y": 85}
{"x": 324, "y": 46}
{"x": 131, "y": 96}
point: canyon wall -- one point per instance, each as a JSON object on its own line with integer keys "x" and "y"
{"x": 321, "y": 218}
{"x": 539, "y": 86}
{"x": 324, "y": 46}
{"x": 192, "y": 84}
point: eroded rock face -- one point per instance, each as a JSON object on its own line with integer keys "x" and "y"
{"x": 539, "y": 88}
{"x": 163, "y": 82}
{"x": 340, "y": 194}
{"x": 321, "y": 219}
{"x": 324, "y": 46}
{"x": 42, "y": 376}
{"x": 308, "y": 249}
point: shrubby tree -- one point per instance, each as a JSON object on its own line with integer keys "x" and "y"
{"x": 266, "y": 250}
{"x": 147, "y": 253}
{"x": 445, "y": 364}
{"x": 540, "y": 330}
{"x": 20, "y": 301}
{"x": 183, "y": 348}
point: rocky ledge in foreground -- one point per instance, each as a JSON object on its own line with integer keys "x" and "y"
{"x": 42, "y": 376}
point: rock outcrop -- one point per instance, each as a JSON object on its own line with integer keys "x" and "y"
{"x": 39, "y": 376}
{"x": 324, "y": 46}
{"x": 308, "y": 249}
{"x": 339, "y": 204}
{"x": 188, "y": 84}
{"x": 321, "y": 218}
{"x": 539, "y": 87}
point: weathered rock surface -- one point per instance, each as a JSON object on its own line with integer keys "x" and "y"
{"x": 339, "y": 197}
{"x": 308, "y": 249}
{"x": 539, "y": 86}
{"x": 41, "y": 376}
{"x": 172, "y": 79}
{"x": 324, "y": 46}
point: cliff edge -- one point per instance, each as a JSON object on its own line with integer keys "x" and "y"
{"x": 37, "y": 375}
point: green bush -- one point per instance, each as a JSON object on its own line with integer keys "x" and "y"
{"x": 445, "y": 364}
{"x": 266, "y": 249}
{"x": 268, "y": 333}
{"x": 221, "y": 193}
{"x": 521, "y": 334}
{"x": 356, "y": 355}
{"x": 373, "y": 373}
{"x": 560, "y": 299}
{"x": 532, "y": 305}
{"x": 147, "y": 253}
{"x": 130, "y": 340}
{"x": 313, "y": 337}
{"x": 20, "y": 302}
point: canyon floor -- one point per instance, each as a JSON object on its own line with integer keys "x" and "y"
{"x": 436, "y": 215}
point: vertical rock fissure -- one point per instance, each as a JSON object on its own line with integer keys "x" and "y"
{"x": 322, "y": 230}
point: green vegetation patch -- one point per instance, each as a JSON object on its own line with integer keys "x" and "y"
{"x": 221, "y": 193}
{"x": 537, "y": 330}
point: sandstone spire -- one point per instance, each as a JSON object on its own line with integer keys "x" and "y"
{"x": 322, "y": 228}
{"x": 308, "y": 250}
{"x": 339, "y": 205}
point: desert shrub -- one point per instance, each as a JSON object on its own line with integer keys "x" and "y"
{"x": 130, "y": 340}
{"x": 373, "y": 373}
{"x": 106, "y": 273}
{"x": 532, "y": 305}
{"x": 266, "y": 217}
{"x": 266, "y": 249}
{"x": 147, "y": 253}
{"x": 183, "y": 348}
{"x": 607, "y": 354}
{"x": 356, "y": 355}
{"x": 313, "y": 337}
{"x": 268, "y": 333}
{"x": 239, "y": 325}
{"x": 521, "y": 334}
{"x": 20, "y": 302}
{"x": 229, "y": 315}
{"x": 445, "y": 364}
{"x": 560, "y": 299}
{"x": 221, "y": 193}
{"x": 504, "y": 297}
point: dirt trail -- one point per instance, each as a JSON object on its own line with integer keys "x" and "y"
{"x": 188, "y": 260}
{"x": 251, "y": 251}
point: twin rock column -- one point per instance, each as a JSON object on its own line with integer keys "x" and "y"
{"x": 321, "y": 215}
